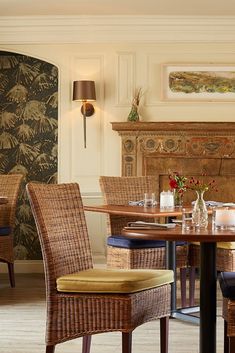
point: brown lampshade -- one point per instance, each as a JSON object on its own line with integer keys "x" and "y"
{"x": 84, "y": 91}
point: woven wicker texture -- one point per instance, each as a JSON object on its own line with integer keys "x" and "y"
{"x": 60, "y": 220}
{"x": 225, "y": 258}
{"x": 9, "y": 187}
{"x": 228, "y": 313}
{"x": 119, "y": 191}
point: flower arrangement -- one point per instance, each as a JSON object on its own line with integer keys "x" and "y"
{"x": 199, "y": 213}
{"x": 197, "y": 185}
{"x": 178, "y": 181}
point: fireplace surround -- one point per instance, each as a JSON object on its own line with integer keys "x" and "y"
{"x": 205, "y": 150}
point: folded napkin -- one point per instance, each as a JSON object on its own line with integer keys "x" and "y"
{"x": 149, "y": 225}
{"x": 212, "y": 203}
{"x": 136, "y": 203}
{"x": 229, "y": 204}
{"x": 217, "y": 204}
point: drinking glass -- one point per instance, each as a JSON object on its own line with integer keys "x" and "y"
{"x": 149, "y": 199}
{"x": 186, "y": 219}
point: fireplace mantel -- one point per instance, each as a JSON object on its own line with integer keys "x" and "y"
{"x": 194, "y": 148}
{"x": 152, "y": 126}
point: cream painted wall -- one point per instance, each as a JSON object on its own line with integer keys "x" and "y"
{"x": 117, "y": 69}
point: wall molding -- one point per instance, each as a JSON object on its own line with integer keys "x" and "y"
{"x": 125, "y": 83}
{"x": 92, "y": 29}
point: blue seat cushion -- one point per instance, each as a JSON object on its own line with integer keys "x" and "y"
{"x": 5, "y": 230}
{"x": 227, "y": 284}
{"x": 119, "y": 241}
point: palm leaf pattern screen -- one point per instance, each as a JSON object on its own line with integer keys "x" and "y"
{"x": 28, "y": 135}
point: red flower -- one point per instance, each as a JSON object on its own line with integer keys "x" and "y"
{"x": 173, "y": 184}
{"x": 177, "y": 181}
{"x": 198, "y": 185}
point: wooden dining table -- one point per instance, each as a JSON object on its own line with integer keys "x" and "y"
{"x": 127, "y": 210}
{"x": 208, "y": 276}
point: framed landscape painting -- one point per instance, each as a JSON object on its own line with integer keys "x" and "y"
{"x": 198, "y": 82}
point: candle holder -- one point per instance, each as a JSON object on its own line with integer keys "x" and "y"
{"x": 223, "y": 218}
{"x": 167, "y": 200}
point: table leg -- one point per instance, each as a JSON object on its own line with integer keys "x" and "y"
{"x": 208, "y": 298}
{"x": 171, "y": 265}
{"x": 184, "y": 314}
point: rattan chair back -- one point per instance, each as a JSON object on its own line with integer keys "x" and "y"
{"x": 62, "y": 229}
{"x": 121, "y": 190}
{"x": 9, "y": 187}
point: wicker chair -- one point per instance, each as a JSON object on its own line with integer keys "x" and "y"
{"x": 227, "y": 284}
{"x": 9, "y": 187}
{"x": 119, "y": 191}
{"x": 81, "y": 300}
{"x": 225, "y": 260}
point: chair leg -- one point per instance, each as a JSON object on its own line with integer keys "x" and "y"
{"x": 183, "y": 275}
{"x": 86, "y": 344}
{"x": 164, "y": 334}
{"x": 231, "y": 344}
{"x": 226, "y": 339}
{"x": 126, "y": 342}
{"x": 50, "y": 349}
{"x": 11, "y": 274}
{"x": 192, "y": 271}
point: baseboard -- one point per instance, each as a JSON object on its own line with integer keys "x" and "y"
{"x": 36, "y": 266}
{"x": 99, "y": 259}
{"x": 25, "y": 266}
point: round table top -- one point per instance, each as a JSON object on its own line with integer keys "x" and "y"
{"x": 127, "y": 210}
{"x": 177, "y": 233}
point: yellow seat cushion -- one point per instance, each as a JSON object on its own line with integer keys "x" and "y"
{"x": 113, "y": 281}
{"x": 226, "y": 245}
{"x": 230, "y": 245}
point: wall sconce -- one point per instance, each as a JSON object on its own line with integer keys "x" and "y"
{"x": 84, "y": 91}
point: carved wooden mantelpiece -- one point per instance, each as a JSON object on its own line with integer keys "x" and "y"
{"x": 192, "y": 148}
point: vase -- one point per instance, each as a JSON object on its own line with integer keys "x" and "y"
{"x": 199, "y": 213}
{"x": 134, "y": 114}
{"x": 178, "y": 198}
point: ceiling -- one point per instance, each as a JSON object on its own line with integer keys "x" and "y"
{"x": 118, "y": 7}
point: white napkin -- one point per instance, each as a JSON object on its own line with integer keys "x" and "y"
{"x": 217, "y": 204}
{"x": 212, "y": 203}
{"x": 136, "y": 203}
{"x": 229, "y": 204}
{"x": 141, "y": 224}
